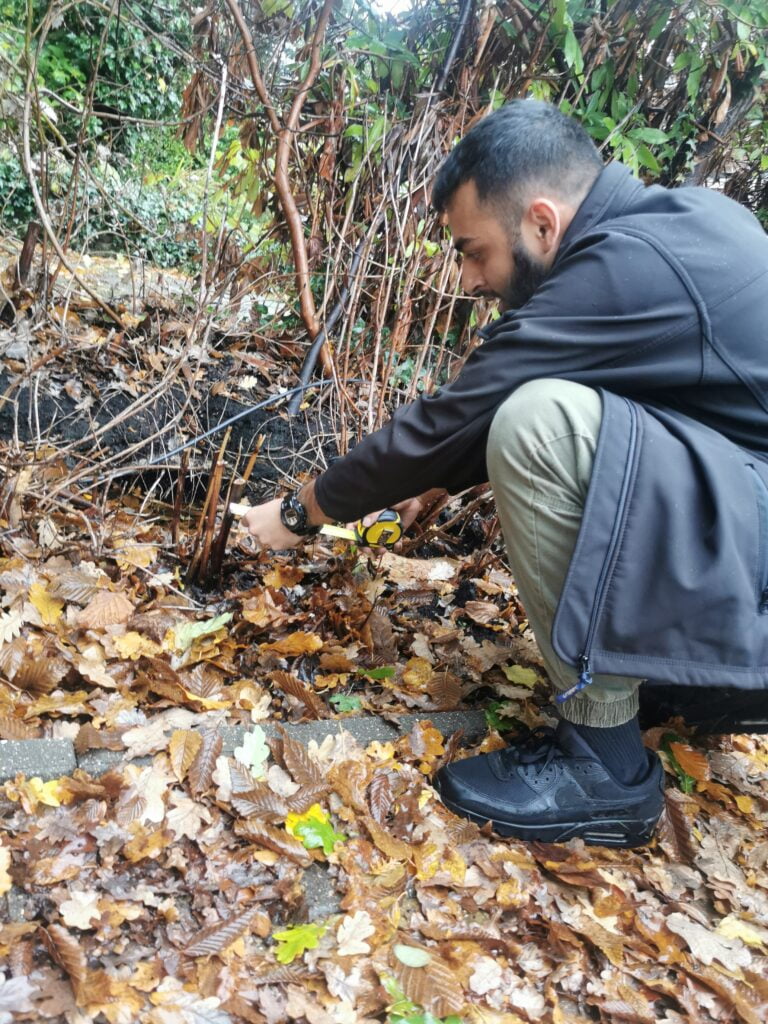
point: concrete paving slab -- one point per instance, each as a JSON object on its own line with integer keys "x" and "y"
{"x": 48, "y": 759}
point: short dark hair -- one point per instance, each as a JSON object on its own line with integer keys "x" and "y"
{"x": 522, "y": 144}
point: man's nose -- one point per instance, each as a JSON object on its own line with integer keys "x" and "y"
{"x": 472, "y": 281}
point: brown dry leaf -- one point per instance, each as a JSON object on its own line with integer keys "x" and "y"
{"x": 12, "y": 656}
{"x": 298, "y": 762}
{"x": 274, "y": 839}
{"x": 445, "y": 690}
{"x": 283, "y": 576}
{"x": 40, "y": 675}
{"x": 433, "y": 986}
{"x": 69, "y": 955}
{"x": 295, "y": 644}
{"x": 481, "y": 612}
{"x": 693, "y": 762}
{"x": 380, "y": 796}
{"x": 676, "y": 827}
{"x": 291, "y": 684}
{"x": 262, "y": 611}
{"x": 419, "y": 573}
{"x": 388, "y": 844}
{"x": 12, "y": 728}
{"x": 107, "y": 608}
{"x": 201, "y": 769}
{"x": 90, "y": 738}
{"x": 186, "y": 817}
{"x": 217, "y": 937}
{"x": 144, "y": 798}
{"x": 182, "y": 749}
{"x": 261, "y": 802}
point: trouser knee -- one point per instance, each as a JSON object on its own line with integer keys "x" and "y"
{"x": 546, "y": 429}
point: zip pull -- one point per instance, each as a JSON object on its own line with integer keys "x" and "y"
{"x": 585, "y": 680}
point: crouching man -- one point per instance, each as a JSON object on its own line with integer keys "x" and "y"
{"x": 619, "y": 408}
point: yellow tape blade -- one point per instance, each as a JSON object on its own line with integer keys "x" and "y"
{"x": 337, "y": 531}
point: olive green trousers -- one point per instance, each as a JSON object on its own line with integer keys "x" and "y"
{"x": 541, "y": 448}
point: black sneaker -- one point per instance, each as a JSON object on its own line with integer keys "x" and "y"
{"x": 551, "y": 787}
{"x": 707, "y": 709}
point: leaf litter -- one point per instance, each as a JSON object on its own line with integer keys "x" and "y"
{"x": 179, "y": 886}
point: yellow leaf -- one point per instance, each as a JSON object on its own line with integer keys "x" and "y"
{"x": 418, "y": 673}
{"x": 315, "y": 812}
{"x": 49, "y": 793}
{"x": 295, "y": 644}
{"x": 133, "y": 646}
{"x": 5, "y": 863}
{"x": 455, "y": 865}
{"x": 49, "y": 607}
{"x": 745, "y": 803}
{"x": 733, "y": 927}
{"x": 134, "y": 556}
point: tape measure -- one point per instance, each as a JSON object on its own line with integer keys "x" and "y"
{"x": 385, "y": 532}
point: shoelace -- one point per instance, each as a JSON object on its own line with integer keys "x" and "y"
{"x": 536, "y": 746}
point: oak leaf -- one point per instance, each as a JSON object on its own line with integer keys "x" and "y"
{"x": 352, "y": 933}
{"x": 81, "y": 909}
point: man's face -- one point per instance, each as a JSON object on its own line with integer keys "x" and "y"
{"x": 496, "y": 262}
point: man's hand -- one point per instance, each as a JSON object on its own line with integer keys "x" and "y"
{"x": 409, "y": 509}
{"x": 265, "y": 526}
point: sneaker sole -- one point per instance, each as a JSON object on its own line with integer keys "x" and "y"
{"x": 609, "y": 832}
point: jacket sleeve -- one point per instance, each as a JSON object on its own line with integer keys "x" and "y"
{"x": 612, "y": 313}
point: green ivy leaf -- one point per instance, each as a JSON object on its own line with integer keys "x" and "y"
{"x": 297, "y": 940}
{"x": 345, "y": 702}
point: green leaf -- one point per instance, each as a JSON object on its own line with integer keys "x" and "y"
{"x": 186, "y": 633}
{"x": 314, "y": 829}
{"x": 345, "y": 702}
{"x": 685, "y": 781}
{"x": 297, "y": 940}
{"x": 519, "y": 675}
{"x": 384, "y": 672}
{"x": 653, "y": 135}
{"x": 572, "y": 52}
{"x": 647, "y": 159}
{"x": 411, "y": 956}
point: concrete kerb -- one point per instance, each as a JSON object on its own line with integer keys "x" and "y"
{"x": 50, "y": 759}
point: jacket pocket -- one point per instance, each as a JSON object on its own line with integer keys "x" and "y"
{"x": 761, "y": 491}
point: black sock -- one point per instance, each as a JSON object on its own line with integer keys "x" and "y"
{"x": 619, "y": 747}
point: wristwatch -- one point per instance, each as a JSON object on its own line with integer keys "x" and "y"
{"x": 293, "y": 516}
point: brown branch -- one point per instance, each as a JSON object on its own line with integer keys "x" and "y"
{"x": 285, "y": 135}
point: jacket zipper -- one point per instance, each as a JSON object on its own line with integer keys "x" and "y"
{"x": 585, "y": 671}
{"x": 762, "y": 509}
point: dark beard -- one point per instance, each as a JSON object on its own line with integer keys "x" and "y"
{"x": 529, "y": 274}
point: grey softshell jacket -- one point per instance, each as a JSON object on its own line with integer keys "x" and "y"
{"x": 659, "y": 298}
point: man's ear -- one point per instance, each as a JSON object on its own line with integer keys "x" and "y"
{"x": 542, "y": 227}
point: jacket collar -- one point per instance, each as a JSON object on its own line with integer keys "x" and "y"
{"x": 613, "y": 191}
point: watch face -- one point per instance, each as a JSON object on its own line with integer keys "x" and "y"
{"x": 291, "y": 517}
